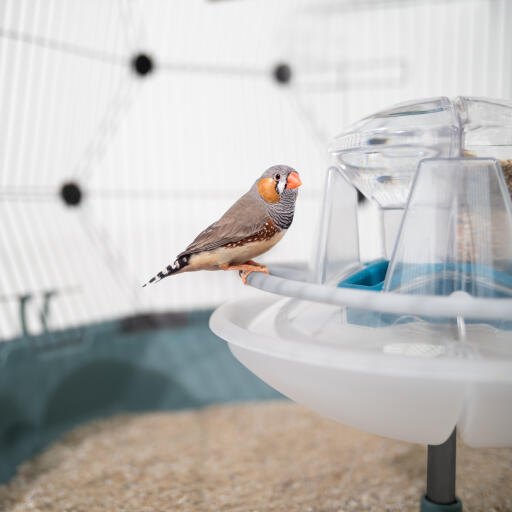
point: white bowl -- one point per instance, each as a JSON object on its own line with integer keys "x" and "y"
{"x": 377, "y": 380}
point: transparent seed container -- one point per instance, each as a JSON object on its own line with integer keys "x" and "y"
{"x": 380, "y": 155}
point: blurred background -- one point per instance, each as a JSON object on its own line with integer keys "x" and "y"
{"x": 128, "y": 126}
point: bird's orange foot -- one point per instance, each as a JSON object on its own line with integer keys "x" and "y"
{"x": 246, "y": 269}
{"x": 245, "y": 274}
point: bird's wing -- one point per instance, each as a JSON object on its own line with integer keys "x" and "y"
{"x": 246, "y": 217}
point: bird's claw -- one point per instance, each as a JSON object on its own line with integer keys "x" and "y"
{"x": 244, "y": 274}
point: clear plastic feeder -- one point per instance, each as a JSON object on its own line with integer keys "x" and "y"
{"x": 413, "y": 347}
{"x": 380, "y": 156}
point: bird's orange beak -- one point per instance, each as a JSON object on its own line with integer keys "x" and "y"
{"x": 293, "y": 180}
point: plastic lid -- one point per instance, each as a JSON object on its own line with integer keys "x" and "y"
{"x": 380, "y": 154}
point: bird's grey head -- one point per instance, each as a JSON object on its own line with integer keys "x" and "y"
{"x": 278, "y": 188}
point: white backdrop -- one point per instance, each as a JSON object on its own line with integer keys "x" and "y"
{"x": 159, "y": 157}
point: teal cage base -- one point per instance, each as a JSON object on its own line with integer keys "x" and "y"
{"x": 55, "y": 381}
{"x": 429, "y": 506}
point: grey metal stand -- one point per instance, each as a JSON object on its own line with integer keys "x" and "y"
{"x": 440, "y": 496}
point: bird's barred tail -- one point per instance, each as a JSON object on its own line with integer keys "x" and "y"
{"x": 178, "y": 265}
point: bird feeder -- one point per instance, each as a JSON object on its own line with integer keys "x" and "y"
{"x": 417, "y": 343}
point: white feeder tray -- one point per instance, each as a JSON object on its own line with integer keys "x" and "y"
{"x": 376, "y": 379}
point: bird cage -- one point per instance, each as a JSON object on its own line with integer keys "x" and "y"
{"x": 413, "y": 346}
{"x": 104, "y": 113}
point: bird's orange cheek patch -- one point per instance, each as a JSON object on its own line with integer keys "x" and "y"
{"x": 267, "y": 190}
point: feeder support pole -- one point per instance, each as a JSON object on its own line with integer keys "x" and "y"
{"x": 441, "y": 477}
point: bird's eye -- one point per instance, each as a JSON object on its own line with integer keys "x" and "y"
{"x": 277, "y": 177}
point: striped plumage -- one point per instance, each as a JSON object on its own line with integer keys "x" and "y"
{"x": 254, "y": 224}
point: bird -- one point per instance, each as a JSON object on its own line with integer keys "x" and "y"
{"x": 253, "y": 225}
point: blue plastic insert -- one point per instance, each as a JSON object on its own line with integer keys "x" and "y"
{"x": 369, "y": 278}
{"x": 486, "y": 283}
